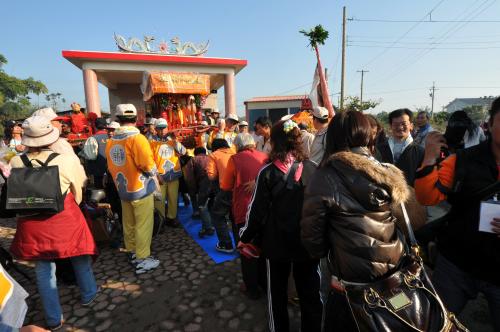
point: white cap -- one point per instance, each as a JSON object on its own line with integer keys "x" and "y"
{"x": 204, "y": 123}
{"x": 161, "y": 123}
{"x": 149, "y": 121}
{"x": 47, "y": 113}
{"x": 216, "y": 110}
{"x": 286, "y": 117}
{"x": 113, "y": 125}
{"x": 233, "y": 117}
{"x": 243, "y": 123}
{"x": 320, "y": 112}
{"x": 125, "y": 110}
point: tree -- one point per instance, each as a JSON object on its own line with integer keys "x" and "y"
{"x": 14, "y": 95}
{"x": 54, "y": 99}
{"x": 383, "y": 118}
{"x": 477, "y": 113}
{"x": 353, "y": 103}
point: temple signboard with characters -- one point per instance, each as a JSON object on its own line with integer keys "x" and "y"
{"x": 171, "y": 80}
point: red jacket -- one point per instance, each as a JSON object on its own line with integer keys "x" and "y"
{"x": 62, "y": 235}
{"x": 242, "y": 168}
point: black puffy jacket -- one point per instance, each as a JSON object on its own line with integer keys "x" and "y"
{"x": 348, "y": 213}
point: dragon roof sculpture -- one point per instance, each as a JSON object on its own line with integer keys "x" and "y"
{"x": 176, "y": 47}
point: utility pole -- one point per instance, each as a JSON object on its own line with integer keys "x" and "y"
{"x": 362, "y": 79}
{"x": 342, "y": 79}
{"x": 433, "y": 92}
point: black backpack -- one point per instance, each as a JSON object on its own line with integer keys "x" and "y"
{"x": 32, "y": 190}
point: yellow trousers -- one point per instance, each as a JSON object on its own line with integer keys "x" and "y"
{"x": 137, "y": 219}
{"x": 170, "y": 192}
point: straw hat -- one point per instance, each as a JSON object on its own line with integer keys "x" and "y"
{"x": 38, "y": 132}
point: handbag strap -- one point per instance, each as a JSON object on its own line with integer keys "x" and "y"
{"x": 411, "y": 234}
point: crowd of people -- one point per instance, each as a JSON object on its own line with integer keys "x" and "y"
{"x": 297, "y": 200}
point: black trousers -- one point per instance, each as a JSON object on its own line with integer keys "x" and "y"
{"x": 253, "y": 270}
{"x": 305, "y": 274}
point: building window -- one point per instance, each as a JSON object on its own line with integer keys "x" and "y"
{"x": 253, "y": 115}
{"x": 294, "y": 110}
{"x": 276, "y": 114}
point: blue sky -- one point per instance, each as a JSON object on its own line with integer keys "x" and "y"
{"x": 33, "y": 34}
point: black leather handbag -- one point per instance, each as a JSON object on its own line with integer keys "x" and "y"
{"x": 403, "y": 301}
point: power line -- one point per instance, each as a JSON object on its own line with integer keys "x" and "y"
{"x": 397, "y": 69}
{"x": 444, "y": 36}
{"x": 426, "y": 43}
{"x": 430, "y": 48}
{"x": 424, "y": 37}
{"x": 414, "y": 21}
{"x": 404, "y": 34}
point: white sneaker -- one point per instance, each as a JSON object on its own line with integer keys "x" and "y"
{"x": 145, "y": 265}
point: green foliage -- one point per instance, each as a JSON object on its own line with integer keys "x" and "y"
{"x": 14, "y": 99}
{"x": 54, "y": 99}
{"x": 383, "y": 118}
{"x": 478, "y": 114}
{"x": 3, "y": 61}
{"x": 353, "y": 103}
{"x": 317, "y": 36}
{"x": 439, "y": 121}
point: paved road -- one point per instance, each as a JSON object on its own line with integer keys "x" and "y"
{"x": 188, "y": 292}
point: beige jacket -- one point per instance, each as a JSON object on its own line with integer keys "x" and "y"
{"x": 71, "y": 174}
{"x": 62, "y": 146}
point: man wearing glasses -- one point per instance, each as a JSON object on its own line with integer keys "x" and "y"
{"x": 400, "y": 149}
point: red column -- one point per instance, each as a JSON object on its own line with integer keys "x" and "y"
{"x": 229, "y": 94}
{"x": 92, "y": 101}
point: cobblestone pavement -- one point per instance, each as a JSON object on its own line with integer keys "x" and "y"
{"x": 188, "y": 292}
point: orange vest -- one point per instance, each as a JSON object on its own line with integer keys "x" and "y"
{"x": 166, "y": 157}
{"x": 131, "y": 164}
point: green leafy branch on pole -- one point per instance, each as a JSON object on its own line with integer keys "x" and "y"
{"x": 317, "y": 36}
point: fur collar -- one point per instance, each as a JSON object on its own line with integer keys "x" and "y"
{"x": 386, "y": 175}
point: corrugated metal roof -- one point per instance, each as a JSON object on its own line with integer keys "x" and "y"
{"x": 275, "y": 98}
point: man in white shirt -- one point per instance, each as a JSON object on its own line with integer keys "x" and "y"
{"x": 263, "y": 127}
{"x": 320, "y": 123}
{"x": 400, "y": 149}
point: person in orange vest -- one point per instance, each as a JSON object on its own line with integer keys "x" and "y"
{"x": 166, "y": 153}
{"x": 227, "y": 129}
{"x": 222, "y": 202}
{"x": 133, "y": 169}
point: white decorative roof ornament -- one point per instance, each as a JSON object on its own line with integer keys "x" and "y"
{"x": 176, "y": 47}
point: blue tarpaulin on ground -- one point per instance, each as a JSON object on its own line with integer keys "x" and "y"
{"x": 193, "y": 226}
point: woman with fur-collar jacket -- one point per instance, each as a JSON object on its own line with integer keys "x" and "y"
{"x": 348, "y": 210}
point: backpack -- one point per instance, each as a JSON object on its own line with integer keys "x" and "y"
{"x": 34, "y": 189}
